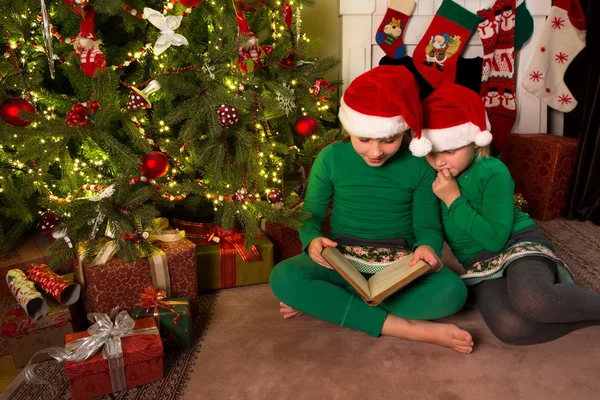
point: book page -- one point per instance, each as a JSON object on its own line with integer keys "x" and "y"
{"x": 396, "y": 272}
{"x": 347, "y": 271}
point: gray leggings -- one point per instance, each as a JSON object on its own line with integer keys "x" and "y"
{"x": 527, "y": 306}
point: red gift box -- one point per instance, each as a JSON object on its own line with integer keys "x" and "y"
{"x": 142, "y": 358}
{"x": 25, "y": 336}
{"x": 30, "y": 249}
{"x": 286, "y": 240}
{"x": 118, "y": 283}
{"x": 542, "y": 167}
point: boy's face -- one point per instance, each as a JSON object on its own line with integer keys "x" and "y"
{"x": 455, "y": 161}
{"x": 376, "y": 152}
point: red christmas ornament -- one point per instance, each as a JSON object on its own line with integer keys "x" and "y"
{"x": 48, "y": 221}
{"x": 190, "y": 3}
{"x": 244, "y": 6}
{"x": 286, "y": 14}
{"x": 78, "y": 115}
{"x": 240, "y": 195}
{"x": 305, "y": 126}
{"x": 154, "y": 165}
{"x": 274, "y": 196}
{"x": 10, "y": 109}
{"x": 227, "y": 115}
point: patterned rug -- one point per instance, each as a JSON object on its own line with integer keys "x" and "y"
{"x": 578, "y": 244}
{"x": 177, "y": 366}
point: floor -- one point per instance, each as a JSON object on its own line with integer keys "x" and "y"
{"x": 8, "y": 371}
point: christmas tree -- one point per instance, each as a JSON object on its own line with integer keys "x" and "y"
{"x": 116, "y": 112}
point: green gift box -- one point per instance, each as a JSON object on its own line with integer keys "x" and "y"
{"x": 172, "y": 318}
{"x": 217, "y": 273}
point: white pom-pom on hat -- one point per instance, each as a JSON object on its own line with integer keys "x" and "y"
{"x": 420, "y": 147}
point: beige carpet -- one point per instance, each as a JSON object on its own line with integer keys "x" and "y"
{"x": 250, "y": 352}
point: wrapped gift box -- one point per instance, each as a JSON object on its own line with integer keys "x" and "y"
{"x": 25, "y": 337}
{"x": 212, "y": 274}
{"x": 286, "y": 240}
{"x": 117, "y": 283}
{"x": 142, "y": 358}
{"x": 542, "y": 167}
{"x": 30, "y": 249}
{"x": 173, "y": 321}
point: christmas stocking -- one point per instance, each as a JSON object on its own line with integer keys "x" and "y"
{"x": 497, "y": 32}
{"x": 561, "y": 39}
{"x": 523, "y": 24}
{"x": 389, "y": 33}
{"x": 436, "y": 54}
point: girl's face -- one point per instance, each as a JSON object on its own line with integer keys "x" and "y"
{"x": 376, "y": 152}
{"x": 455, "y": 161}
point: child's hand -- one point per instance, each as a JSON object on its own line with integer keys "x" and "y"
{"x": 316, "y": 247}
{"x": 445, "y": 187}
{"x": 428, "y": 255}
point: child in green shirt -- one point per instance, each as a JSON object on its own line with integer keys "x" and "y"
{"x": 524, "y": 291}
{"x": 382, "y": 194}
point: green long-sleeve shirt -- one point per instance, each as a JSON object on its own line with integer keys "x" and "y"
{"x": 394, "y": 200}
{"x": 484, "y": 216}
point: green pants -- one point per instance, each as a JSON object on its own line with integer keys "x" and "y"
{"x": 322, "y": 293}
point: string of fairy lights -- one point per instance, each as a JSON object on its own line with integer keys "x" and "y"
{"x": 89, "y": 171}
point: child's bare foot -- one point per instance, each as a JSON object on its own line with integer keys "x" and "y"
{"x": 446, "y": 335}
{"x": 287, "y": 311}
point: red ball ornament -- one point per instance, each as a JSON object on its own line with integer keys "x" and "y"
{"x": 154, "y": 165}
{"x": 10, "y": 109}
{"x": 190, "y": 3}
{"x": 306, "y": 126}
{"x": 274, "y": 196}
{"x": 227, "y": 115}
{"x": 244, "y": 6}
{"x": 48, "y": 221}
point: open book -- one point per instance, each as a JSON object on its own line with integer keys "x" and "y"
{"x": 382, "y": 284}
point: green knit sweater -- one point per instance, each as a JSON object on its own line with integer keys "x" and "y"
{"x": 484, "y": 216}
{"x": 394, "y": 200}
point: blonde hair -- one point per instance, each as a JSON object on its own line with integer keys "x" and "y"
{"x": 483, "y": 152}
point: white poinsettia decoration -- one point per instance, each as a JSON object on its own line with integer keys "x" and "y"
{"x": 167, "y": 26}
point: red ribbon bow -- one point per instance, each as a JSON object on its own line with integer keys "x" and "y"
{"x": 152, "y": 297}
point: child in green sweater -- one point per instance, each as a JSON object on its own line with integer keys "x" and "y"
{"x": 382, "y": 196}
{"x": 525, "y": 293}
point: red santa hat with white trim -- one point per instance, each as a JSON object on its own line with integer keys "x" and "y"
{"x": 453, "y": 117}
{"x": 381, "y": 102}
{"x": 86, "y": 27}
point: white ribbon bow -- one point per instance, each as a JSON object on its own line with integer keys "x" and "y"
{"x": 167, "y": 25}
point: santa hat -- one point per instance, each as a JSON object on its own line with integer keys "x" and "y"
{"x": 382, "y": 102}
{"x": 86, "y": 27}
{"x": 453, "y": 117}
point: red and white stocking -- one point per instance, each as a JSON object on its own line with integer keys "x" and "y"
{"x": 561, "y": 39}
{"x": 389, "y": 33}
{"x": 497, "y": 32}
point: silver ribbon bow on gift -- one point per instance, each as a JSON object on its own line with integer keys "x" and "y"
{"x": 104, "y": 334}
{"x": 167, "y": 26}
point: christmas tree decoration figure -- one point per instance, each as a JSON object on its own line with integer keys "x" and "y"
{"x": 139, "y": 98}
